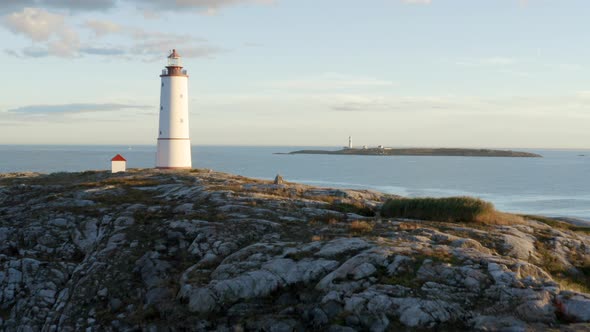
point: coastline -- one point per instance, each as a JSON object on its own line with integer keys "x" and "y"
{"x": 578, "y": 221}
{"x": 204, "y": 246}
{"x": 446, "y": 152}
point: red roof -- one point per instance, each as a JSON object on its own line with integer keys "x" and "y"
{"x": 118, "y": 158}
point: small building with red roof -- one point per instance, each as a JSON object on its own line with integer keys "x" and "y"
{"x": 118, "y": 164}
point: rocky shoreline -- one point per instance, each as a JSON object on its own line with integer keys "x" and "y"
{"x": 207, "y": 251}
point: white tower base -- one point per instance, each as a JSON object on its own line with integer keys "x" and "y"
{"x": 174, "y": 152}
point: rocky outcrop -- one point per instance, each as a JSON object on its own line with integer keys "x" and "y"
{"x": 201, "y": 250}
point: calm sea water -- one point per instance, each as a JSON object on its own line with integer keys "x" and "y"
{"x": 556, "y": 185}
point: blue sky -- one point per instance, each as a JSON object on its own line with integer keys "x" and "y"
{"x": 464, "y": 73}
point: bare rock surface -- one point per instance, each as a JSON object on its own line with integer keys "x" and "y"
{"x": 206, "y": 251}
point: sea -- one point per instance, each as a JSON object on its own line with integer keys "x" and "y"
{"x": 557, "y": 185}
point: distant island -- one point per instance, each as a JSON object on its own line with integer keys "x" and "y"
{"x": 381, "y": 151}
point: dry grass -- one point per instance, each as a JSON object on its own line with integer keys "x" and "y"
{"x": 323, "y": 198}
{"x": 558, "y": 223}
{"x": 332, "y": 221}
{"x": 572, "y": 285}
{"x": 408, "y": 226}
{"x": 123, "y": 181}
{"x": 499, "y": 218}
{"x": 359, "y": 226}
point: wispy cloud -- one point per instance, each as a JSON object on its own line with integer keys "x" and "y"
{"x": 400, "y": 104}
{"x": 35, "y": 23}
{"x": 72, "y": 5}
{"x": 102, "y": 51}
{"x": 44, "y": 28}
{"x": 48, "y": 24}
{"x": 52, "y": 35}
{"x": 66, "y": 109}
{"x": 208, "y": 6}
{"x": 417, "y": 2}
{"x": 331, "y": 81}
{"x": 101, "y": 5}
{"x": 574, "y": 105}
{"x": 102, "y": 28}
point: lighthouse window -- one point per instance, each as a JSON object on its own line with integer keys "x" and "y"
{"x": 181, "y": 95}
{"x": 181, "y": 120}
{"x": 162, "y": 84}
{"x": 161, "y": 108}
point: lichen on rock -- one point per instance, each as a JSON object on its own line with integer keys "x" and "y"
{"x": 201, "y": 250}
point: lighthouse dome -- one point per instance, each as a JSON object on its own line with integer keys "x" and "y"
{"x": 174, "y": 59}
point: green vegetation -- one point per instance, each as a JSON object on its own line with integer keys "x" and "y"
{"x": 356, "y": 208}
{"x": 451, "y": 209}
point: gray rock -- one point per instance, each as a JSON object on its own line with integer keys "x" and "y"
{"x": 342, "y": 246}
{"x": 259, "y": 262}
{"x": 574, "y": 306}
{"x": 115, "y": 304}
{"x": 498, "y": 323}
{"x": 58, "y": 222}
{"x": 519, "y": 244}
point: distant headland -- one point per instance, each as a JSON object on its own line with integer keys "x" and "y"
{"x": 383, "y": 151}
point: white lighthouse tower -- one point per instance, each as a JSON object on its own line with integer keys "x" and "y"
{"x": 174, "y": 145}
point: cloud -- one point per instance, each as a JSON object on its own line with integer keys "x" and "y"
{"x": 417, "y": 2}
{"x": 152, "y": 46}
{"x": 101, "y": 28}
{"x": 101, "y": 5}
{"x": 574, "y": 105}
{"x": 400, "y": 104}
{"x": 78, "y": 4}
{"x": 210, "y": 6}
{"x": 102, "y": 51}
{"x": 44, "y": 28}
{"x": 73, "y": 5}
{"x": 35, "y": 23}
{"x": 53, "y": 36}
{"x": 35, "y": 52}
{"x": 66, "y": 109}
{"x": 332, "y": 81}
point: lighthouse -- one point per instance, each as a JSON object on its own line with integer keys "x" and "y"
{"x": 174, "y": 145}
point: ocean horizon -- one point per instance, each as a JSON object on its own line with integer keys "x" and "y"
{"x": 555, "y": 185}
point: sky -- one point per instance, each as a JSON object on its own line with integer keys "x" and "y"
{"x": 422, "y": 73}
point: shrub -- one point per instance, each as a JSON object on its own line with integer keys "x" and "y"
{"x": 451, "y": 209}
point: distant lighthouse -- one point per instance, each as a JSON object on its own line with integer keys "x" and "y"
{"x": 350, "y": 142}
{"x": 174, "y": 145}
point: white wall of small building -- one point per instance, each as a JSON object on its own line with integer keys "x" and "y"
{"x": 118, "y": 166}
